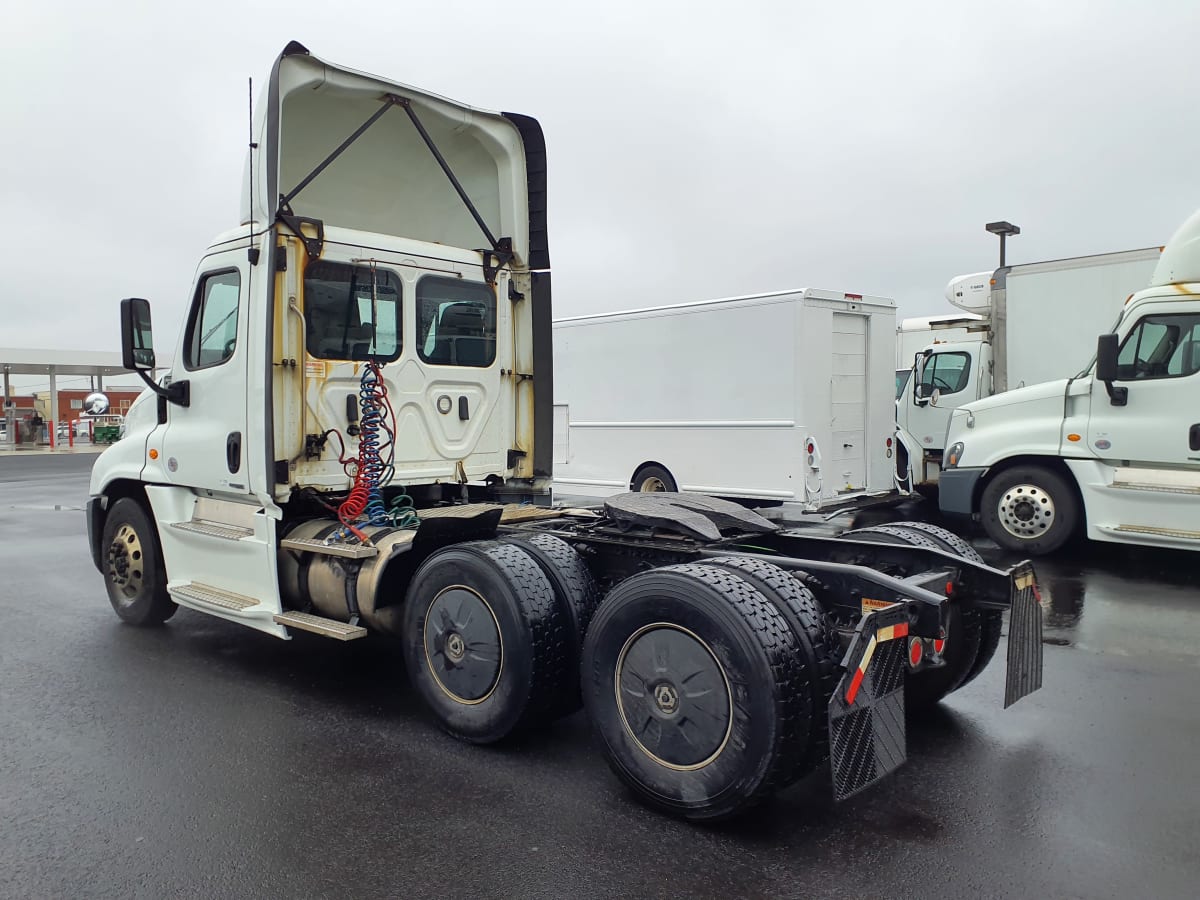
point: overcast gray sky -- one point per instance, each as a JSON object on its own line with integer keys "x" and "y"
{"x": 696, "y": 149}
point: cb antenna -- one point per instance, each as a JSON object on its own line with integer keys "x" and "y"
{"x": 252, "y": 252}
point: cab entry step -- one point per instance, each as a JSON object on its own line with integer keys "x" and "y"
{"x": 331, "y": 628}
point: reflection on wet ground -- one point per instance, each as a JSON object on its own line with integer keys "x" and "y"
{"x": 1118, "y": 599}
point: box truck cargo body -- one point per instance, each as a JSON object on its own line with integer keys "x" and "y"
{"x": 1040, "y": 322}
{"x": 785, "y": 396}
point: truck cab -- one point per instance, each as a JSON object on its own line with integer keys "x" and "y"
{"x": 945, "y": 376}
{"x": 1114, "y": 451}
{"x": 365, "y": 205}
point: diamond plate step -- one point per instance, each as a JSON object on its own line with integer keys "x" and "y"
{"x": 331, "y": 628}
{"x": 215, "y": 529}
{"x": 310, "y": 545}
{"x": 205, "y": 595}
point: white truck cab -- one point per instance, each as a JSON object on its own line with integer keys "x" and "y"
{"x": 328, "y": 274}
{"x": 1114, "y": 450}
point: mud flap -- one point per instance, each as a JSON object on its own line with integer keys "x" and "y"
{"x": 1024, "y": 675}
{"x": 866, "y": 712}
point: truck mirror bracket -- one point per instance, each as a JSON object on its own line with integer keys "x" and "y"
{"x": 1117, "y": 396}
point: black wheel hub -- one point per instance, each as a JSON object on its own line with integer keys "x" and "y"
{"x": 1024, "y": 510}
{"x": 463, "y": 645}
{"x": 673, "y": 697}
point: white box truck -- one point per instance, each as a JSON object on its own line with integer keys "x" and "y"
{"x": 1039, "y": 323}
{"x": 1114, "y": 451}
{"x": 783, "y": 397}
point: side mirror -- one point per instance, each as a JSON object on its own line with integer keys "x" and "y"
{"x": 1106, "y": 357}
{"x": 1107, "y": 350}
{"x": 137, "y": 338}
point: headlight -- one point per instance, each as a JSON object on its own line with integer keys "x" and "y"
{"x": 953, "y": 455}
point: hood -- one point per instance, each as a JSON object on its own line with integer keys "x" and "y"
{"x": 1047, "y": 390}
{"x": 388, "y": 180}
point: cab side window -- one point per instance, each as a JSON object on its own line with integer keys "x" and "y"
{"x": 1166, "y": 346}
{"x": 213, "y": 323}
{"x": 945, "y": 372}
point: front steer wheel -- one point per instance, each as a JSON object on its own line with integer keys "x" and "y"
{"x": 132, "y": 564}
{"x": 698, "y": 690}
{"x": 1029, "y": 509}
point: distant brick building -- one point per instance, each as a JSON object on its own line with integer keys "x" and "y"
{"x": 70, "y": 403}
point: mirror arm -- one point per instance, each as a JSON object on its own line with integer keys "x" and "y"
{"x": 1117, "y": 396}
{"x": 178, "y": 392}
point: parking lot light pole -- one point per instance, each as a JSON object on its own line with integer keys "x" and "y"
{"x": 1004, "y": 229}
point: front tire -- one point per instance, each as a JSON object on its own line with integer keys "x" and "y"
{"x": 697, "y": 688}
{"x": 1029, "y": 510}
{"x": 134, "y": 574}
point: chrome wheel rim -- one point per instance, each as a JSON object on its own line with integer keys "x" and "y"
{"x": 126, "y": 564}
{"x": 1026, "y": 511}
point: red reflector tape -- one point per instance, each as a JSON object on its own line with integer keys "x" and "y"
{"x": 855, "y": 683}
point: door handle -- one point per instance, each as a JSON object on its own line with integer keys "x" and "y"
{"x": 1194, "y": 436}
{"x": 233, "y": 451}
{"x": 464, "y": 409}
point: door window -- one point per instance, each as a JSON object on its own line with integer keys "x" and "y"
{"x": 351, "y": 312}
{"x": 945, "y": 372}
{"x": 213, "y": 324}
{"x": 456, "y": 322}
{"x": 1161, "y": 347}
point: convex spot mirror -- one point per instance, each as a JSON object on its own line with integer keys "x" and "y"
{"x": 137, "y": 339}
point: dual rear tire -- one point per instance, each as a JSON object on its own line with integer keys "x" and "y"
{"x": 972, "y": 635}
{"x": 707, "y": 683}
{"x": 492, "y": 632}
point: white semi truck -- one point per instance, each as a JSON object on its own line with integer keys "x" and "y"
{"x": 1114, "y": 451}
{"x": 360, "y": 405}
{"x": 783, "y": 397}
{"x": 1039, "y": 322}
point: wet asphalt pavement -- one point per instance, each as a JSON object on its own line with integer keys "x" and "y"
{"x": 207, "y": 760}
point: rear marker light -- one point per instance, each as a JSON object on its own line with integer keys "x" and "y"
{"x": 939, "y": 644}
{"x": 915, "y": 652}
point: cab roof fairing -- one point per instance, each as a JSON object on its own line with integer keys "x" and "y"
{"x": 388, "y": 181}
